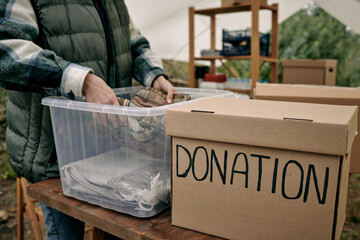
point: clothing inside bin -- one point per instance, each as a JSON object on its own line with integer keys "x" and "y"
{"x": 115, "y": 182}
{"x": 151, "y": 97}
{"x": 142, "y": 133}
{"x": 130, "y": 165}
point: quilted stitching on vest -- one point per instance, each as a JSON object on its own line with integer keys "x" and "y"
{"x": 80, "y": 38}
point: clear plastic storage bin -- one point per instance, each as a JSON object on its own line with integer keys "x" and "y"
{"x": 116, "y": 157}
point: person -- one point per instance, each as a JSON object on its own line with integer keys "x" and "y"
{"x": 78, "y": 48}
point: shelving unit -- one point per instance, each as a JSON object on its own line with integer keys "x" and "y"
{"x": 254, "y": 6}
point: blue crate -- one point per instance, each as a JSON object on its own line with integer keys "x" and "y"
{"x": 230, "y": 49}
{"x": 236, "y": 36}
{"x": 235, "y": 50}
{"x": 264, "y": 39}
{"x": 264, "y": 50}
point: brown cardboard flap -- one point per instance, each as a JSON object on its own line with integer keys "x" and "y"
{"x": 309, "y": 63}
{"x": 349, "y": 96}
{"x": 327, "y": 129}
{"x": 303, "y": 91}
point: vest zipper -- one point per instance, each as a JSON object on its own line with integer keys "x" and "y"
{"x": 111, "y": 67}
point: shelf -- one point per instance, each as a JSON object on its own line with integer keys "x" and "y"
{"x": 241, "y": 7}
{"x": 255, "y": 59}
{"x": 247, "y": 57}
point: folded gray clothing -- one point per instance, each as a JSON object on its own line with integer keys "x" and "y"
{"x": 115, "y": 182}
{"x": 144, "y": 187}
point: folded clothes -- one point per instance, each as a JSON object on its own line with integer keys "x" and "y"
{"x": 134, "y": 178}
{"x": 151, "y": 97}
{"x": 142, "y": 133}
{"x": 145, "y": 134}
{"x": 140, "y": 187}
{"x": 144, "y": 187}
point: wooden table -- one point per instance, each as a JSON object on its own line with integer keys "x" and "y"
{"x": 106, "y": 220}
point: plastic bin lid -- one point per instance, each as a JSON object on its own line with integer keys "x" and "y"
{"x": 196, "y": 93}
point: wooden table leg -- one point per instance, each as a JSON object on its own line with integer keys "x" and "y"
{"x": 20, "y": 210}
{"x": 32, "y": 214}
{"x": 98, "y": 234}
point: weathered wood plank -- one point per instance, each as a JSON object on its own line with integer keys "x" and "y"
{"x": 118, "y": 224}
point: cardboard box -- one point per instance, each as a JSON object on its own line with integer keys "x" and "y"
{"x": 315, "y": 94}
{"x": 228, "y": 3}
{"x": 260, "y": 169}
{"x": 307, "y": 71}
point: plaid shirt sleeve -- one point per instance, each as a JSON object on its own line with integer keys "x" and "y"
{"x": 147, "y": 66}
{"x": 24, "y": 66}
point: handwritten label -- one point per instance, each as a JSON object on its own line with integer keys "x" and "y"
{"x": 229, "y": 170}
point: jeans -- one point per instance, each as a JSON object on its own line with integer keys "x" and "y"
{"x": 60, "y": 226}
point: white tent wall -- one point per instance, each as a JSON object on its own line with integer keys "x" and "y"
{"x": 165, "y": 23}
{"x": 346, "y": 11}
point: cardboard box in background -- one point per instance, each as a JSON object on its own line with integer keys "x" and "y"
{"x": 228, "y": 3}
{"x": 315, "y": 94}
{"x": 307, "y": 71}
{"x": 260, "y": 169}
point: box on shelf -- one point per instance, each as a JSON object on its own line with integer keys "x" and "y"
{"x": 260, "y": 169}
{"x": 116, "y": 157}
{"x": 228, "y": 3}
{"x": 308, "y": 71}
{"x": 215, "y": 77}
{"x": 315, "y": 94}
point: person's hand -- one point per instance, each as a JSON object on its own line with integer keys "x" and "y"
{"x": 160, "y": 83}
{"x": 97, "y": 91}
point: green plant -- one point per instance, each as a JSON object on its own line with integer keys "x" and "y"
{"x": 6, "y": 171}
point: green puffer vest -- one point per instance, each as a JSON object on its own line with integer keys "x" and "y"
{"x": 80, "y": 38}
